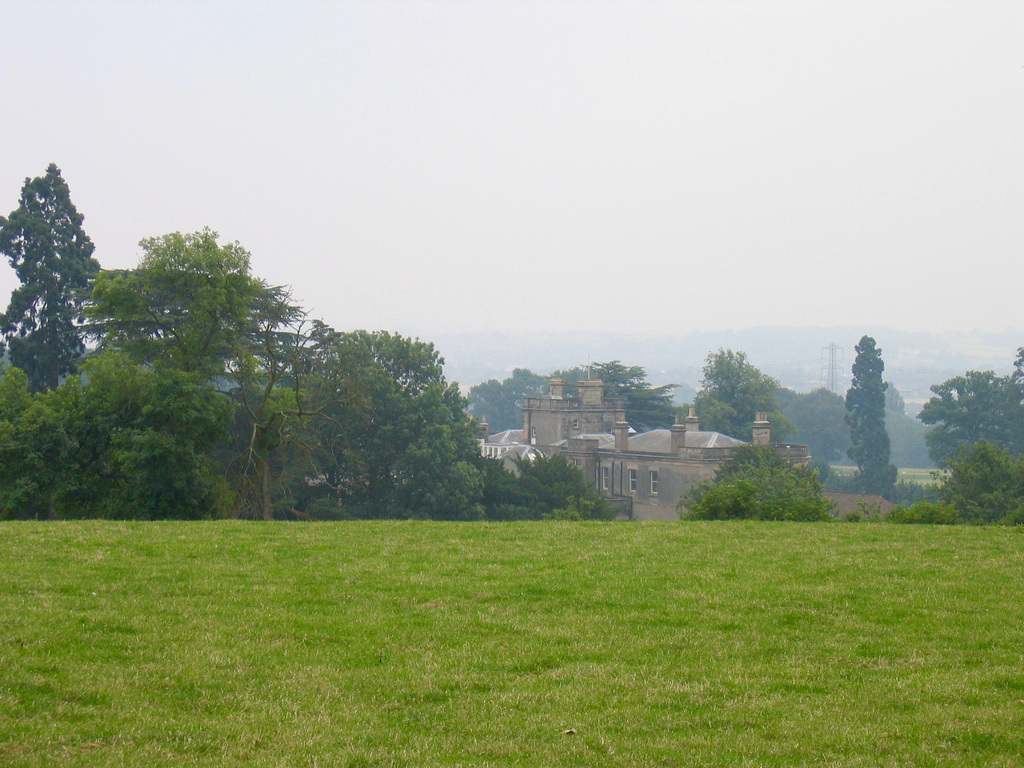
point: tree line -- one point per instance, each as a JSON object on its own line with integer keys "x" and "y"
{"x": 976, "y": 436}
{"x": 208, "y": 392}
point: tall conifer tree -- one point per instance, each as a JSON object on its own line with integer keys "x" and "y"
{"x": 44, "y": 241}
{"x": 865, "y": 414}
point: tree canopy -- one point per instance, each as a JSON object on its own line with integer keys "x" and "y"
{"x": 404, "y": 447}
{"x": 52, "y": 256}
{"x": 985, "y": 484}
{"x": 894, "y": 402}
{"x": 967, "y": 409}
{"x": 542, "y": 487}
{"x": 188, "y": 305}
{"x": 819, "y": 418}
{"x": 907, "y": 441}
{"x": 192, "y": 307}
{"x": 132, "y": 443}
{"x": 500, "y": 402}
{"x": 647, "y": 407}
{"x": 733, "y": 391}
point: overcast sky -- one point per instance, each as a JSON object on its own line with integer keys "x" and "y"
{"x": 434, "y": 166}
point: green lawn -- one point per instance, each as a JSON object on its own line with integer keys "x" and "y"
{"x": 921, "y": 476}
{"x": 423, "y": 644}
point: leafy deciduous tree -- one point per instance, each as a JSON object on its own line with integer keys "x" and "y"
{"x": 406, "y": 447}
{"x": 968, "y": 409}
{"x": 192, "y": 306}
{"x": 147, "y": 438}
{"x": 893, "y": 399}
{"x": 733, "y": 391}
{"x": 985, "y": 484}
{"x": 907, "y": 440}
{"x": 820, "y": 421}
{"x": 188, "y": 305}
{"x": 132, "y": 443}
{"x": 33, "y": 442}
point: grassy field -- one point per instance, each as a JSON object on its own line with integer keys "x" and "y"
{"x": 560, "y": 644}
{"x": 920, "y": 476}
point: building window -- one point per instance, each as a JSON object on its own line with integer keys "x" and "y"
{"x": 578, "y": 462}
{"x": 605, "y": 475}
{"x": 654, "y": 481}
{"x": 632, "y": 481}
{"x": 575, "y": 423}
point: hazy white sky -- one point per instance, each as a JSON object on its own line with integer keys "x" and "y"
{"x": 611, "y": 166}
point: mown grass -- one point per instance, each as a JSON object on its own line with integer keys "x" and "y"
{"x": 921, "y": 476}
{"x": 421, "y": 644}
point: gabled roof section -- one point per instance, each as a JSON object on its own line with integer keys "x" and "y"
{"x": 520, "y": 452}
{"x": 508, "y": 437}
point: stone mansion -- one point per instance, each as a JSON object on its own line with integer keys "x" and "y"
{"x": 643, "y": 474}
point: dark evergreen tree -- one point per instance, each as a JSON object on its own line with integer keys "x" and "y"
{"x": 865, "y": 414}
{"x": 44, "y": 241}
{"x": 647, "y": 407}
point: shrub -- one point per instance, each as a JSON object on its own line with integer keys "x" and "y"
{"x": 925, "y": 513}
{"x": 758, "y": 484}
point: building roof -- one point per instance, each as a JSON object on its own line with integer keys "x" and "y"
{"x": 660, "y": 441}
{"x": 604, "y": 439}
{"x": 520, "y": 452}
{"x": 508, "y": 437}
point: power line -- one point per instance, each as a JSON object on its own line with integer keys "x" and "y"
{"x": 831, "y": 370}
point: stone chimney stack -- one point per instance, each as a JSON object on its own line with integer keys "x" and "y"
{"x": 762, "y": 429}
{"x": 692, "y": 422}
{"x": 592, "y": 392}
{"x": 621, "y": 436}
{"x": 678, "y": 436}
{"x": 556, "y": 387}
{"x": 483, "y": 431}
